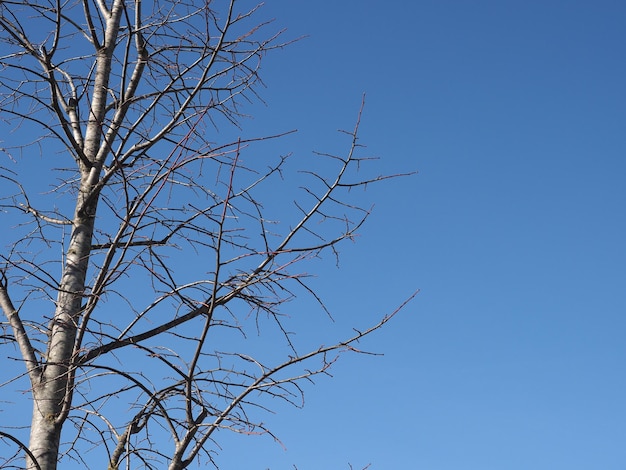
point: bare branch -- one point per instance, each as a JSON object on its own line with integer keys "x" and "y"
{"x": 19, "y": 332}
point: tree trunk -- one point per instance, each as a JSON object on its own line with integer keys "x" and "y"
{"x": 52, "y": 394}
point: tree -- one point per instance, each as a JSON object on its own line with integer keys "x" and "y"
{"x": 125, "y": 346}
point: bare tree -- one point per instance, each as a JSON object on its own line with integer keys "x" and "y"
{"x": 139, "y": 274}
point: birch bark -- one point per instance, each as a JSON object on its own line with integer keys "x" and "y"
{"x": 52, "y": 392}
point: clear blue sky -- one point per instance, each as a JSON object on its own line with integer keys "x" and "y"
{"x": 513, "y": 355}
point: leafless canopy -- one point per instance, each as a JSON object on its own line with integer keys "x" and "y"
{"x": 143, "y": 282}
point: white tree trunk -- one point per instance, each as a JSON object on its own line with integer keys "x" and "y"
{"x": 52, "y": 393}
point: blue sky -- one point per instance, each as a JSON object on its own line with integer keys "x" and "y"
{"x": 513, "y": 112}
